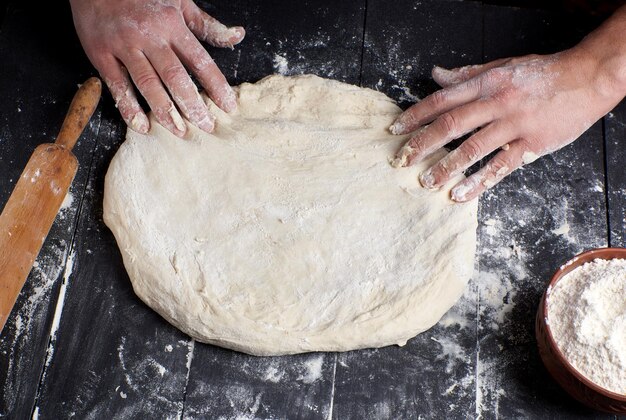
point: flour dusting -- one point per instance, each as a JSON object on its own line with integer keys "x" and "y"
{"x": 313, "y": 370}
{"x": 451, "y": 351}
{"x": 67, "y": 201}
{"x": 273, "y": 374}
{"x": 281, "y": 65}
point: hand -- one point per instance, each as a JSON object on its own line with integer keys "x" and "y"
{"x": 152, "y": 41}
{"x": 526, "y": 107}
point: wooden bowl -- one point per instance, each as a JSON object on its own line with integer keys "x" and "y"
{"x": 561, "y": 370}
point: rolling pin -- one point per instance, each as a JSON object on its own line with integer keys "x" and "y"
{"x": 37, "y": 198}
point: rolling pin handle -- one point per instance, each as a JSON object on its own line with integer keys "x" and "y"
{"x": 82, "y": 107}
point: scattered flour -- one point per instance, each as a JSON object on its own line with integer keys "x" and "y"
{"x": 451, "y": 351}
{"x": 587, "y": 317}
{"x": 562, "y": 230}
{"x": 281, "y": 65}
{"x": 313, "y": 369}
{"x": 273, "y": 374}
{"x": 67, "y": 201}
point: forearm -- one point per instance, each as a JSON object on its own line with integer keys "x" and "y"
{"x": 605, "y": 50}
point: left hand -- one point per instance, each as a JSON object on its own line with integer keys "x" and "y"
{"x": 527, "y": 107}
{"x": 151, "y": 43}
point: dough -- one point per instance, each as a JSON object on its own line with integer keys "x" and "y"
{"x": 287, "y": 230}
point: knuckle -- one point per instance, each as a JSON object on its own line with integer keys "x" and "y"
{"x": 504, "y": 95}
{"x": 126, "y": 31}
{"x": 127, "y": 112}
{"x": 448, "y": 123}
{"x": 175, "y": 74}
{"x": 169, "y": 12}
{"x": 530, "y": 143}
{"x": 441, "y": 171}
{"x": 500, "y": 166}
{"x": 417, "y": 145}
{"x": 196, "y": 110}
{"x": 162, "y": 115}
{"x": 471, "y": 150}
{"x": 116, "y": 86}
{"x": 202, "y": 63}
{"x": 476, "y": 84}
{"x": 146, "y": 81}
{"x": 439, "y": 98}
{"x": 495, "y": 75}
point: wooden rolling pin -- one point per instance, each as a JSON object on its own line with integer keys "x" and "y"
{"x": 37, "y": 198}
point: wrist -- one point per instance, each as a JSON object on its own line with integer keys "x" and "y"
{"x": 604, "y": 52}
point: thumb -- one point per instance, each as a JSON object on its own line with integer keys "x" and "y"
{"x": 208, "y": 29}
{"x": 445, "y": 77}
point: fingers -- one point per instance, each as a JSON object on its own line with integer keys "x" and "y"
{"x": 502, "y": 164}
{"x": 196, "y": 58}
{"x": 468, "y": 153}
{"x": 149, "y": 84}
{"x": 445, "y": 77}
{"x": 447, "y": 127}
{"x": 181, "y": 87}
{"x": 436, "y": 104}
{"x": 209, "y": 29}
{"x": 460, "y": 86}
{"x": 116, "y": 78}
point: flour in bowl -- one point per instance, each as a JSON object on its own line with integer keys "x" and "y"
{"x": 587, "y": 317}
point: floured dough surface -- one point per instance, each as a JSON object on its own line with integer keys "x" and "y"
{"x": 287, "y": 230}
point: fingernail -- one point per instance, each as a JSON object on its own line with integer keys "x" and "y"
{"x": 231, "y": 36}
{"x": 462, "y": 191}
{"x": 443, "y": 70}
{"x": 230, "y": 101}
{"x": 238, "y": 33}
{"x": 207, "y": 123}
{"x": 179, "y": 123}
{"x": 397, "y": 162}
{"x": 445, "y": 75}
{"x": 140, "y": 123}
{"x": 397, "y": 128}
{"x": 459, "y": 193}
{"x": 403, "y": 156}
{"x": 529, "y": 157}
{"x": 427, "y": 179}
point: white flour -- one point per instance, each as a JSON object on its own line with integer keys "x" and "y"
{"x": 587, "y": 316}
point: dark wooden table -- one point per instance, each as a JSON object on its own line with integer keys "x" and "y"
{"x": 80, "y": 343}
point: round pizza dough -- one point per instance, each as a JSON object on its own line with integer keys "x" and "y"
{"x": 287, "y": 230}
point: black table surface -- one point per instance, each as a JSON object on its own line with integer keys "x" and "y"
{"x": 80, "y": 344}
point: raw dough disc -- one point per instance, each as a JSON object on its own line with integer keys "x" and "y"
{"x": 287, "y": 230}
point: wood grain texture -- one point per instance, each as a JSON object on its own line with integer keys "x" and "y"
{"x": 615, "y": 132}
{"x": 81, "y": 109}
{"x": 28, "y": 216}
{"x": 33, "y": 106}
{"x": 36, "y": 200}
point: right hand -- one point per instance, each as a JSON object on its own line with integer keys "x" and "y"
{"x": 150, "y": 42}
